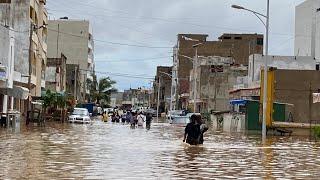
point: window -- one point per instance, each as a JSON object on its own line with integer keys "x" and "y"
{"x": 260, "y": 41}
{"x": 216, "y": 68}
{"x": 238, "y": 38}
{"x": 227, "y": 37}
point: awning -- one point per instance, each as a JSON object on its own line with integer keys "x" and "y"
{"x": 16, "y": 92}
{"x": 238, "y": 102}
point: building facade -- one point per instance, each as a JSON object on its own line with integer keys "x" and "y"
{"x": 56, "y": 74}
{"x": 26, "y": 23}
{"x": 74, "y": 39}
{"x": 162, "y": 78}
{"x": 236, "y": 46}
{"x": 212, "y": 79}
{"x": 307, "y": 29}
{"x": 256, "y": 63}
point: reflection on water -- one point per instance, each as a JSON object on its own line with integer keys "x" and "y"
{"x": 115, "y": 151}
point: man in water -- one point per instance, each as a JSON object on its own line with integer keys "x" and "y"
{"x": 148, "y": 120}
{"x": 192, "y": 131}
{"x": 203, "y": 128}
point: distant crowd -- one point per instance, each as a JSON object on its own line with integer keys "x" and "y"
{"x": 135, "y": 119}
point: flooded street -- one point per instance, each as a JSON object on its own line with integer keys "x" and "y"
{"x": 114, "y": 151}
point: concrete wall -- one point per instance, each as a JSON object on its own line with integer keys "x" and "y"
{"x": 215, "y": 86}
{"x": 294, "y": 87}
{"x": 306, "y": 15}
{"x": 256, "y": 62}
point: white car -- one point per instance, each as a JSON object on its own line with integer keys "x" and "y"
{"x": 183, "y": 119}
{"x": 80, "y": 115}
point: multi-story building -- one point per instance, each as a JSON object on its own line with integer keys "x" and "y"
{"x": 236, "y": 46}
{"x": 74, "y": 39}
{"x": 307, "y": 29}
{"x": 212, "y": 79}
{"x": 26, "y": 22}
{"x": 116, "y": 99}
{"x": 164, "y": 78}
{"x": 135, "y": 98}
{"x": 56, "y": 74}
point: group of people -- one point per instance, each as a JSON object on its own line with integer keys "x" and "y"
{"x": 130, "y": 117}
{"x": 194, "y": 130}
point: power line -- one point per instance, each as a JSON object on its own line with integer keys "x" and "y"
{"x": 113, "y": 43}
{"x": 141, "y": 76}
{"x": 135, "y": 60}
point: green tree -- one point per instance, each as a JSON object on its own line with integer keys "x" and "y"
{"x": 104, "y": 90}
{"x": 92, "y": 86}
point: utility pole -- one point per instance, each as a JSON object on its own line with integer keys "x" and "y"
{"x": 158, "y": 101}
{"x": 195, "y": 81}
{"x": 30, "y": 63}
{"x": 75, "y": 82}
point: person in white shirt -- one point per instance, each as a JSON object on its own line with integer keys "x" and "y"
{"x": 141, "y": 119}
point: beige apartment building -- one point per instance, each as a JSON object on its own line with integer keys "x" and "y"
{"x": 74, "y": 39}
{"x": 26, "y": 24}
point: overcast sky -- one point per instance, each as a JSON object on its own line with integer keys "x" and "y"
{"x": 133, "y": 37}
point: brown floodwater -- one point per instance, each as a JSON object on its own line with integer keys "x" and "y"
{"x": 114, "y": 151}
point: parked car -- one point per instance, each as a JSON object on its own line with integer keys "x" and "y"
{"x": 151, "y": 111}
{"x": 80, "y": 115}
{"x": 173, "y": 114}
{"x": 183, "y": 119}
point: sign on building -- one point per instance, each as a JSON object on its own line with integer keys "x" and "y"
{"x": 316, "y": 97}
{"x": 3, "y": 73}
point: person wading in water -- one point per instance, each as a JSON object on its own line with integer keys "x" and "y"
{"x": 203, "y": 128}
{"x": 192, "y": 131}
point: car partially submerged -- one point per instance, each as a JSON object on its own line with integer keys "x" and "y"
{"x": 80, "y": 115}
{"x": 182, "y": 119}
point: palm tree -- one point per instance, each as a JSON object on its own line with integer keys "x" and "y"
{"x": 104, "y": 90}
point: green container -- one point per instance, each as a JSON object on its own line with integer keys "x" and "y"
{"x": 279, "y": 112}
{"x": 252, "y": 115}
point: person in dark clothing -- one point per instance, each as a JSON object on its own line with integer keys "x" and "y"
{"x": 148, "y": 120}
{"x": 192, "y": 131}
{"x": 203, "y": 128}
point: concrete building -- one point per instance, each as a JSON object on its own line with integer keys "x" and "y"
{"x": 215, "y": 76}
{"x": 164, "y": 75}
{"x": 307, "y": 29}
{"x": 135, "y": 98}
{"x": 256, "y": 62}
{"x": 26, "y": 21}
{"x": 249, "y": 87}
{"x": 56, "y": 74}
{"x": 116, "y": 99}
{"x": 236, "y": 46}
{"x": 74, "y": 39}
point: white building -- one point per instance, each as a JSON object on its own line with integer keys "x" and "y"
{"x": 307, "y": 29}
{"x": 256, "y": 62}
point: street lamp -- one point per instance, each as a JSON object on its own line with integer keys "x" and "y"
{"x": 265, "y": 79}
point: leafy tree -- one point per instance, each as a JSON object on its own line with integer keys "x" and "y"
{"x": 104, "y": 90}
